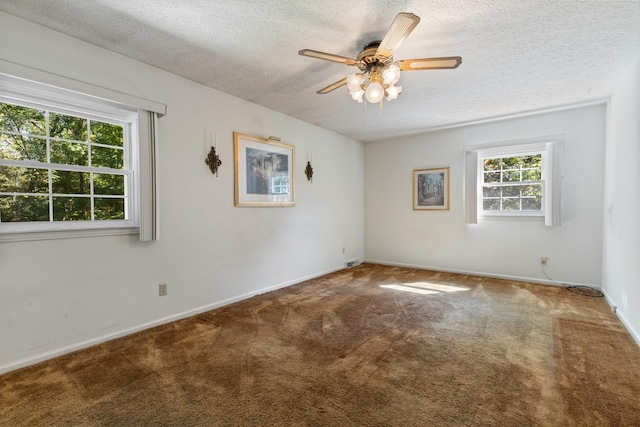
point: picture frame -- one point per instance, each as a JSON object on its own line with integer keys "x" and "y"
{"x": 431, "y": 189}
{"x": 263, "y": 172}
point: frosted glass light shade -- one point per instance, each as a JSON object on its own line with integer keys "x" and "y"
{"x": 354, "y": 83}
{"x": 357, "y": 96}
{"x": 374, "y": 92}
{"x": 354, "y": 80}
{"x": 393, "y": 92}
{"x": 391, "y": 74}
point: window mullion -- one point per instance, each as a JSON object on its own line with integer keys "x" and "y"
{"x": 62, "y": 167}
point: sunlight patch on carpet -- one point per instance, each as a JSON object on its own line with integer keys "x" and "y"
{"x": 424, "y": 288}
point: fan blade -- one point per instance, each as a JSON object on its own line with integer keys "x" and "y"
{"x": 399, "y": 30}
{"x": 327, "y": 56}
{"x": 333, "y": 86}
{"x": 430, "y": 63}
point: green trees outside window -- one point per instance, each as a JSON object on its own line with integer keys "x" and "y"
{"x": 59, "y": 167}
{"x": 512, "y": 183}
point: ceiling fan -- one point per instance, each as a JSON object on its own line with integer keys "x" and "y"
{"x": 378, "y": 72}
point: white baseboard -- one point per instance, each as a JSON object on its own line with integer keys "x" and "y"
{"x": 481, "y": 273}
{"x": 41, "y": 357}
{"x": 634, "y": 334}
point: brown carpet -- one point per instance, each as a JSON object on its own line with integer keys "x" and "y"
{"x": 369, "y": 346}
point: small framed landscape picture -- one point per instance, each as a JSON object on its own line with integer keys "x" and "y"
{"x": 431, "y": 189}
{"x": 264, "y": 171}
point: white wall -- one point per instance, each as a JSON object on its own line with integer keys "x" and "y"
{"x": 58, "y": 295}
{"x": 441, "y": 240}
{"x": 621, "y": 265}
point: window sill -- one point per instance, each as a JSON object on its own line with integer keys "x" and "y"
{"x": 511, "y": 217}
{"x": 23, "y": 236}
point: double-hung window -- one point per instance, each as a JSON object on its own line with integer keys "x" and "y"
{"x": 74, "y": 164}
{"x": 515, "y": 178}
{"x": 512, "y": 183}
{"x": 59, "y": 166}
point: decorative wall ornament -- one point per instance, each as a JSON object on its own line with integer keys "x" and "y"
{"x": 213, "y": 160}
{"x": 308, "y": 171}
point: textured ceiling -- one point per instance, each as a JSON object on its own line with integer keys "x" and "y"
{"x": 518, "y": 56}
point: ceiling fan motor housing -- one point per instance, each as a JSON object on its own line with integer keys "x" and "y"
{"x": 370, "y": 58}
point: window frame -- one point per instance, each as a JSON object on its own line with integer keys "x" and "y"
{"x": 81, "y": 99}
{"x": 550, "y": 147}
{"x": 504, "y": 153}
{"x": 125, "y": 119}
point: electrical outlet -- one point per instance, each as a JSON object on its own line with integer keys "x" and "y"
{"x": 162, "y": 289}
{"x": 543, "y": 260}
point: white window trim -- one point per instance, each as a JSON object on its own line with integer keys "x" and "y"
{"x": 11, "y": 70}
{"x": 552, "y": 148}
{"x": 103, "y": 104}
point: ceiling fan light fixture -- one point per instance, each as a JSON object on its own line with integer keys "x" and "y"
{"x": 354, "y": 83}
{"x": 355, "y": 80}
{"x": 391, "y": 74}
{"x": 357, "y": 96}
{"x": 393, "y": 92}
{"x": 374, "y": 92}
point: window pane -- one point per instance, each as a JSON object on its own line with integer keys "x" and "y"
{"x": 107, "y": 157}
{"x": 532, "y": 204}
{"x": 69, "y": 153}
{"x": 24, "y": 208}
{"x": 108, "y": 184}
{"x": 491, "y": 177}
{"x": 532, "y": 161}
{"x": 511, "y": 163}
{"x": 23, "y": 120}
{"x": 511, "y": 204}
{"x": 491, "y": 164}
{"x": 491, "y": 204}
{"x": 66, "y": 182}
{"x": 532, "y": 190}
{"x": 109, "y": 208}
{"x": 107, "y": 133}
{"x": 511, "y": 176}
{"x": 23, "y": 180}
{"x": 491, "y": 192}
{"x": 71, "y": 208}
{"x": 67, "y": 127}
{"x": 511, "y": 191}
{"x": 18, "y": 147}
{"x": 532, "y": 175}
